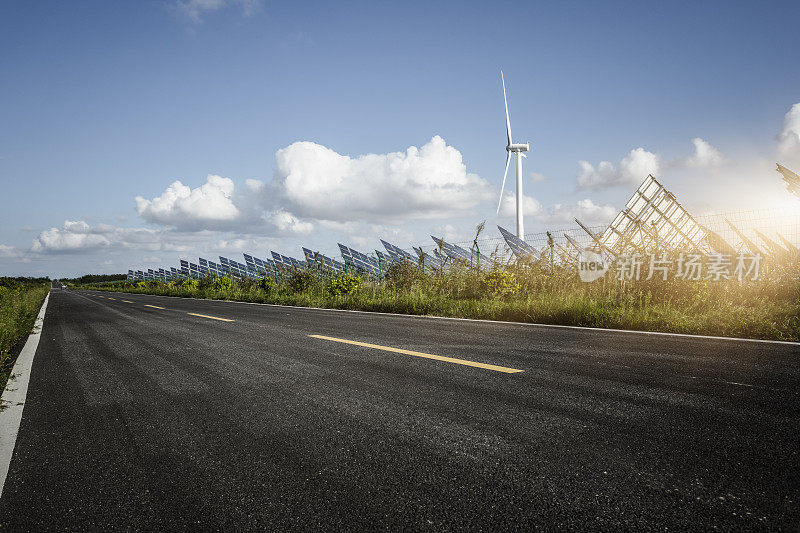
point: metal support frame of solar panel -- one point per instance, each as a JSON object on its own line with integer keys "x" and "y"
{"x": 360, "y": 261}
{"x": 654, "y": 219}
{"x": 469, "y": 256}
{"x": 521, "y": 249}
{"x": 287, "y": 262}
{"x": 384, "y": 260}
{"x": 322, "y": 262}
{"x": 436, "y": 261}
{"x": 398, "y": 255}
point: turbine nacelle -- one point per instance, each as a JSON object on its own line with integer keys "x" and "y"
{"x": 518, "y": 147}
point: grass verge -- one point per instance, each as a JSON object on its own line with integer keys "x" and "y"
{"x": 19, "y": 307}
{"x": 768, "y": 309}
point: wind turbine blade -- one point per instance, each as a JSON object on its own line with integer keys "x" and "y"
{"x": 505, "y": 100}
{"x": 502, "y": 188}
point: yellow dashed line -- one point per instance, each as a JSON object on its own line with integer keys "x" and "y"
{"x": 153, "y": 306}
{"x": 465, "y": 362}
{"x": 211, "y": 317}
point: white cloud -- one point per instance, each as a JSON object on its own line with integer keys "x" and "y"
{"x": 254, "y": 185}
{"x": 508, "y": 207}
{"x": 427, "y": 182}
{"x": 789, "y": 137}
{"x": 74, "y": 236}
{"x": 79, "y": 237}
{"x": 450, "y": 233}
{"x": 8, "y": 251}
{"x": 288, "y": 223}
{"x": 631, "y": 170}
{"x": 537, "y": 177}
{"x": 195, "y": 9}
{"x": 585, "y": 210}
{"x": 209, "y": 205}
{"x": 704, "y": 155}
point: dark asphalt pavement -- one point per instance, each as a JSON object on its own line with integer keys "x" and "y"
{"x": 140, "y": 418}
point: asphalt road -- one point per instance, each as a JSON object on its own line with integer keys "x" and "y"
{"x": 142, "y": 416}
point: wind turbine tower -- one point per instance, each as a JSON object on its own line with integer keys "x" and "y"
{"x": 518, "y": 149}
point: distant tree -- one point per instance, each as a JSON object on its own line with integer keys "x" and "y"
{"x": 96, "y": 278}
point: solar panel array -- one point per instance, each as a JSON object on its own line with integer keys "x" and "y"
{"x": 652, "y": 220}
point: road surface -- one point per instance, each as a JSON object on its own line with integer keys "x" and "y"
{"x": 155, "y": 413}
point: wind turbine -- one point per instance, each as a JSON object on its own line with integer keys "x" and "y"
{"x": 518, "y": 149}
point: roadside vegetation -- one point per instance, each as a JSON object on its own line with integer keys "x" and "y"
{"x": 20, "y": 301}
{"x": 766, "y": 309}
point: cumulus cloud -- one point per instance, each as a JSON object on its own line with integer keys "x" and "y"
{"x": 195, "y": 9}
{"x": 79, "y": 237}
{"x": 427, "y": 182}
{"x": 585, "y": 210}
{"x": 630, "y": 170}
{"x": 8, "y": 251}
{"x": 210, "y": 205}
{"x": 74, "y": 236}
{"x": 508, "y": 207}
{"x": 703, "y": 156}
{"x": 789, "y": 137}
{"x": 288, "y": 223}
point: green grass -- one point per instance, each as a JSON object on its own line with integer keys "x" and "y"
{"x": 19, "y": 307}
{"x": 768, "y": 309}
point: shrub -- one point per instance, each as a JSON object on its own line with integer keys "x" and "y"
{"x": 189, "y": 284}
{"x": 246, "y": 284}
{"x": 500, "y": 283}
{"x": 267, "y": 284}
{"x": 222, "y": 284}
{"x": 206, "y": 282}
{"x": 402, "y": 276}
{"x": 300, "y": 280}
{"x": 344, "y": 284}
{"x": 141, "y": 285}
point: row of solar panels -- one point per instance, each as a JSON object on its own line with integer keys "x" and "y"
{"x": 377, "y": 265}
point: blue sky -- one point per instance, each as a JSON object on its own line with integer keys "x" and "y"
{"x": 102, "y": 102}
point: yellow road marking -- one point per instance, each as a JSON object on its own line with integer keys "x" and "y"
{"x": 112, "y": 298}
{"x": 126, "y": 301}
{"x": 485, "y": 366}
{"x": 153, "y": 306}
{"x": 211, "y": 317}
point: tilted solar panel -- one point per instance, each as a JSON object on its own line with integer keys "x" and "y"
{"x": 521, "y": 249}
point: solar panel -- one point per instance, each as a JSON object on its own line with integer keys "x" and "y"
{"x": 521, "y": 249}
{"x": 384, "y": 260}
{"x": 321, "y": 261}
{"x": 288, "y": 262}
{"x": 398, "y": 254}
{"x": 184, "y": 264}
{"x": 653, "y": 219}
{"x": 428, "y": 261}
{"x": 458, "y": 253}
{"x": 360, "y": 261}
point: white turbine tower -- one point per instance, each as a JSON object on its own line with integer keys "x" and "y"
{"x": 518, "y": 149}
